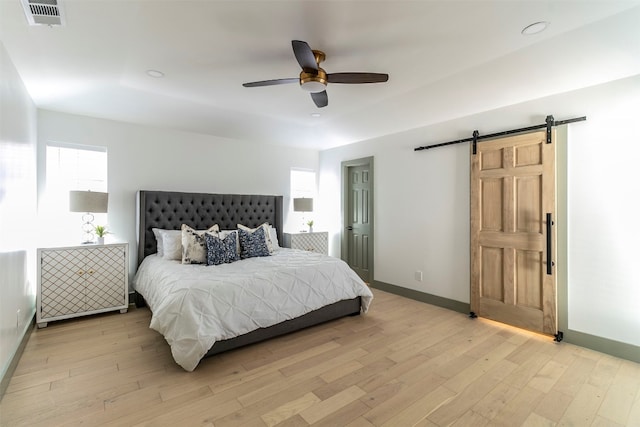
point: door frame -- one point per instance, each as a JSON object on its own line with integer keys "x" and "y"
{"x": 345, "y": 165}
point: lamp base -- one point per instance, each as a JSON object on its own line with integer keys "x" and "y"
{"x": 87, "y": 228}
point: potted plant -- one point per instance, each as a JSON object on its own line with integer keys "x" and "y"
{"x": 101, "y": 231}
{"x": 310, "y": 224}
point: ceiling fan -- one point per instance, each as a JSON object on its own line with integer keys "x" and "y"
{"x": 314, "y": 79}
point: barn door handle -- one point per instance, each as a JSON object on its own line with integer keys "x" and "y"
{"x": 550, "y": 263}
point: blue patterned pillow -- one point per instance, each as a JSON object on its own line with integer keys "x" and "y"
{"x": 221, "y": 251}
{"x": 253, "y": 244}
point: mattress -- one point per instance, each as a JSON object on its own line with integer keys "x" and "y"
{"x": 194, "y": 306}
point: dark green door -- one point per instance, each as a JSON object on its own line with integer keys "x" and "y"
{"x": 359, "y": 241}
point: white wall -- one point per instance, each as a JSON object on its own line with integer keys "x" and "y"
{"x": 422, "y": 204}
{"x": 146, "y": 158}
{"x": 17, "y": 210}
{"x": 421, "y": 211}
{"x": 603, "y": 232}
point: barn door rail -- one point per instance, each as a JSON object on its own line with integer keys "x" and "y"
{"x": 549, "y": 123}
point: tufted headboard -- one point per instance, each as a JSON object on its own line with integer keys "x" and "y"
{"x": 169, "y": 210}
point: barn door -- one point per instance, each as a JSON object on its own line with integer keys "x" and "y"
{"x": 512, "y": 235}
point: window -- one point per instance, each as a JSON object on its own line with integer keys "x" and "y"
{"x": 303, "y": 184}
{"x": 76, "y": 167}
{"x": 72, "y": 167}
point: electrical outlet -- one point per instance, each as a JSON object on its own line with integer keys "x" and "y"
{"x": 418, "y": 276}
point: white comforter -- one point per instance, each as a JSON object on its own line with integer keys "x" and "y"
{"x": 194, "y": 306}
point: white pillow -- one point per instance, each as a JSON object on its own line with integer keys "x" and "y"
{"x": 169, "y": 243}
{"x": 156, "y": 233}
{"x": 273, "y": 234}
{"x": 194, "y": 246}
{"x": 267, "y": 235}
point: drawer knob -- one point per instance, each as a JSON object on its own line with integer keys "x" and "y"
{"x": 80, "y": 272}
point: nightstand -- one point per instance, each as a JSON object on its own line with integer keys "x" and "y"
{"x": 81, "y": 280}
{"x": 314, "y": 242}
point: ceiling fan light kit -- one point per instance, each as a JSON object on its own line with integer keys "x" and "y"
{"x": 313, "y": 82}
{"x": 314, "y": 79}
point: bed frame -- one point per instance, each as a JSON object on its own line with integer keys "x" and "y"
{"x": 169, "y": 210}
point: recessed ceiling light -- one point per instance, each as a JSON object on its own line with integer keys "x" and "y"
{"x": 315, "y": 114}
{"x": 155, "y": 74}
{"x": 535, "y": 28}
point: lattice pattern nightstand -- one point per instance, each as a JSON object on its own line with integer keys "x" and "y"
{"x": 80, "y": 280}
{"x": 314, "y": 242}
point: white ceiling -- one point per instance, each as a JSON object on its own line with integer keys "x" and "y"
{"x": 445, "y": 59}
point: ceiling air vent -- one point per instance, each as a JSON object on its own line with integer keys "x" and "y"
{"x": 43, "y": 12}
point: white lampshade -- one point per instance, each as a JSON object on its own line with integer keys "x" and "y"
{"x": 303, "y": 204}
{"x": 88, "y": 201}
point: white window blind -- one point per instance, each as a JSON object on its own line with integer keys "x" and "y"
{"x": 303, "y": 184}
{"x": 71, "y": 167}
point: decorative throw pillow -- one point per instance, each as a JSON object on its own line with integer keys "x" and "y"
{"x": 221, "y": 251}
{"x": 253, "y": 244}
{"x": 194, "y": 247}
{"x": 267, "y": 234}
{"x": 169, "y": 243}
{"x": 224, "y": 233}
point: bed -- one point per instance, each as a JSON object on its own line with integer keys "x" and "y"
{"x": 204, "y": 310}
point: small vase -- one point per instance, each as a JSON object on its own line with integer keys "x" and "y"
{"x": 310, "y": 229}
{"x": 101, "y": 240}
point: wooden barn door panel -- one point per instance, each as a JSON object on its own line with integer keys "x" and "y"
{"x": 512, "y": 190}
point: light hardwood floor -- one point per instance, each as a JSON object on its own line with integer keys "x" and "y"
{"x": 405, "y": 363}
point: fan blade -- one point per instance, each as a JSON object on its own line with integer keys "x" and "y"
{"x": 320, "y": 98}
{"x": 304, "y": 56}
{"x": 353, "y": 78}
{"x": 272, "y": 82}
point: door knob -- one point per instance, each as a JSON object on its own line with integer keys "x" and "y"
{"x": 350, "y": 227}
